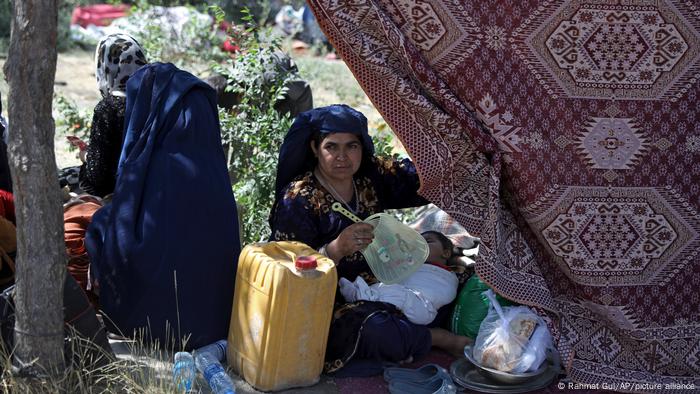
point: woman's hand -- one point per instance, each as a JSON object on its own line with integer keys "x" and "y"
{"x": 354, "y": 238}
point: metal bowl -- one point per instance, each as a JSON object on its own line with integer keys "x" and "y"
{"x": 501, "y": 376}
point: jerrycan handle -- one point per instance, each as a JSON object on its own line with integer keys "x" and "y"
{"x": 277, "y": 252}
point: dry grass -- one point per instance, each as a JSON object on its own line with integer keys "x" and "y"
{"x": 139, "y": 367}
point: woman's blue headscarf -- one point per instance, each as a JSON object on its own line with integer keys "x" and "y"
{"x": 296, "y": 155}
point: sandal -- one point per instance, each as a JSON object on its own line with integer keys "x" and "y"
{"x": 437, "y": 385}
{"x": 422, "y": 374}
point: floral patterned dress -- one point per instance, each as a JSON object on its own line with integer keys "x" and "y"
{"x": 304, "y": 213}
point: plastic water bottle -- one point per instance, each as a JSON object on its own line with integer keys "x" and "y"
{"x": 216, "y": 349}
{"x": 184, "y": 372}
{"x": 208, "y": 364}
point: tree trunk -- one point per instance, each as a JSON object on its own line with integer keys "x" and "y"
{"x": 41, "y": 256}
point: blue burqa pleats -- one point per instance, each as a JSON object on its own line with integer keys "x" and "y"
{"x": 165, "y": 250}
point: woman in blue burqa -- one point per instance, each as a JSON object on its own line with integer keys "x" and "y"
{"x": 328, "y": 156}
{"x": 164, "y": 251}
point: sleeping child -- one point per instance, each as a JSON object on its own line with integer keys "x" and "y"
{"x": 420, "y": 295}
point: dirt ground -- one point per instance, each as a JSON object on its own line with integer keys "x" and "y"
{"x": 331, "y": 82}
{"x": 75, "y": 79}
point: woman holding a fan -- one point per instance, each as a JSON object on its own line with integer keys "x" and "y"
{"x": 328, "y": 157}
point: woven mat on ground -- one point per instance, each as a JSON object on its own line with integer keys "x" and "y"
{"x": 565, "y": 135}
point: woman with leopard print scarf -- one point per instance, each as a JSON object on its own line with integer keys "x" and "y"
{"x": 117, "y": 57}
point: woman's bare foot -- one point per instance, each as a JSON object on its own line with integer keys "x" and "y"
{"x": 450, "y": 342}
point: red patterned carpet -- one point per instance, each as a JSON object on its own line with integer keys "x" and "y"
{"x": 564, "y": 134}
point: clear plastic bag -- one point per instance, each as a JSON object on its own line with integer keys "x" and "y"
{"x": 535, "y": 353}
{"x": 511, "y": 339}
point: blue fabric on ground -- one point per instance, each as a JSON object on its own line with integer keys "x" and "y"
{"x": 166, "y": 248}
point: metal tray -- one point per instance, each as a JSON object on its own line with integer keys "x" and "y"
{"x": 467, "y": 375}
{"x": 501, "y": 376}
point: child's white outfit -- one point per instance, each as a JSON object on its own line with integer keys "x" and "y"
{"x": 419, "y": 296}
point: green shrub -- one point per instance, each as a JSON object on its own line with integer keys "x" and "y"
{"x": 253, "y": 130}
{"x": 263, "y": 11}
{"x": 70, "y": 120}
{"x": 65, "y": 11}
{"x": 197, "y": 43}
{"x": 254, "y": 136}
{"x": 5, "y": 19}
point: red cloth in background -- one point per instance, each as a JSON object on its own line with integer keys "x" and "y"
{"x": 7, "y": 206}
{"x": 230, "y": 46}
{"x": 98, "y": 14}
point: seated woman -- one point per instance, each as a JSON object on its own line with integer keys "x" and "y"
{"x": 328, "y": 156}
{"x": 77, "y": 216}
{"x": 164, "y": 251}
{"x": 117, "y": 57}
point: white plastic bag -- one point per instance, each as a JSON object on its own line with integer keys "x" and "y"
{"x": 511, "y": 339}
{"x": 536, "y": 350}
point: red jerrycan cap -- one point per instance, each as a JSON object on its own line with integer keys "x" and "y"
{"x": 305, "y": 263}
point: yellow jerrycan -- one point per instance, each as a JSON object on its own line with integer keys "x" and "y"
{"x": 282, "y": 309}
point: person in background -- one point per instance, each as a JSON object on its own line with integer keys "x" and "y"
{"x": 326, "y": 157}
{"x": 295, "y": 99}
{"x": 117, "y": 57}
{"x": 77, "y": 216}
{"x": 296, "y": 96}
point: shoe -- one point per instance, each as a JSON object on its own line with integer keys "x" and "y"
{"x": 421, "y": 374}
{"x": 437, "y": 385}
